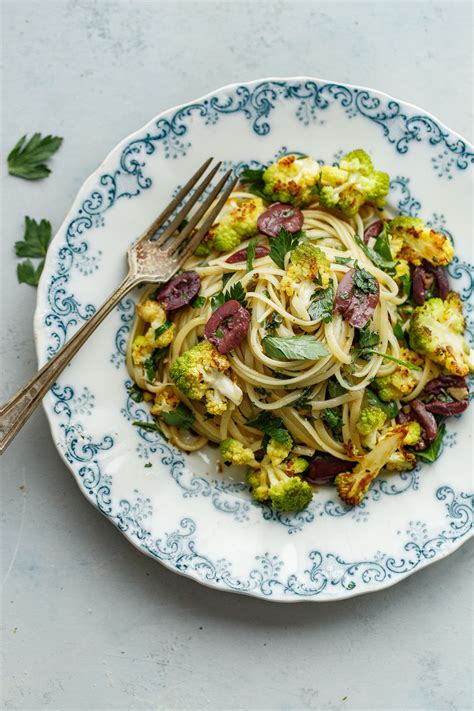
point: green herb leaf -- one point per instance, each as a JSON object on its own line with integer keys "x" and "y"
{"x": 27, "y": 274}
{"x": 35, "y": 240}
{"x": 335, "y": 388}
{"x": 236, "y": 292}
{"x": 272, "y": 322}
{"x": 217, "y": 300}
{"x": 364, "y": 283}
{"x": 219, "y": 333}
{"x": 135, "y": 393}
{"x": 226, "y": 277}
{"x": 431, "y": 453}
{"x": 390, "y": 408}
{"x": 152, "y": 426}
{"x": 182, "y": 417}
{"x": 161, "y": 329}
{"x": 198, "y": 302}
{"x": 343, "y": 260}
{"x": 321, "y": 306}
{"x": 270, "y": 425}
{"x": 294, "y": 347}
{"x": 304, "y": 400}
{"x": 405, "y": 281}
{"x": 28, "y": 158}
{"x": 382, "y": 244}
{"x": 149, "y": 365}
{"x": 367, "y": 340}
{"x": 374, "y": 256}
{"x": 253, "y": 181}
{"x": 406, "y": 364}
{"x": 398, "y": 331}
{"x": 283, "y": 243}
{"x": 252, "y": 246}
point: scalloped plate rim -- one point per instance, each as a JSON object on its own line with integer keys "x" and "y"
{"x": 378, "y": 587}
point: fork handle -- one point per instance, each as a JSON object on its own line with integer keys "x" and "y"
{"x": 18, "y": 409}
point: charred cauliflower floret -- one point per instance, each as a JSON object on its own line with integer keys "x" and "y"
{"x": 402, "y": 381}
{"x": 159, "y": 334}
{"x": 353, "y": 485}
{"x": 436, "y": 330}
{"x": 308, "y": 271}
{"x": 291, "y": 180}
{"x": 204, "y": 373}
{"x": 410, "y": 239}
{"x": 353, "y": 183}
{"x": 237, "y": 224}
{"x": 165, "y": 401}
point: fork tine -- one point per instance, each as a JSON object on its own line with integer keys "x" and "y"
{"x": 178, "y": 219}
{"x": 184, "y": 234}
{"x": 169, "y": 209}
{"x": 193, "y": 243}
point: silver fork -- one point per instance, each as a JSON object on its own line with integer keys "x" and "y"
{"x": 149, "y": 261}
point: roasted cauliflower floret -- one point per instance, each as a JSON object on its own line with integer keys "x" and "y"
{"x": 402, "y": 460}
{"x": 165, "y": 401}
{"x": 291, "y": 180}
{"x": 412, "y": 240}
{"x": 436, "y": 330}
{"x": 238, "y": 223}
{"x": 233, "y": 452}
{"x": 402, "y": 381}
{"x": 203, "y": 372}
{"x": 308, "y": 271}
{"x": 352, "y": 486}
{"x": 351, "y": 184}
{"x": 278, "y": 450}
{"x": 159, "y": 334}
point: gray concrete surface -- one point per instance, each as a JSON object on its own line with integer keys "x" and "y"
{"x": 87, "y": 622}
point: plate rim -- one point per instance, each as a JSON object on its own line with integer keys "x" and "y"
{"x": 37, "y": 325}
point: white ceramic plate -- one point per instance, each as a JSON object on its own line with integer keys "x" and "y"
{"x": 179, "y": 509}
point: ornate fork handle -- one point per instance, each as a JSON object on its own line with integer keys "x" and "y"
{"x": 18, "y": 409}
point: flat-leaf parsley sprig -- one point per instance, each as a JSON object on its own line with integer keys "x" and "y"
{"x": 28, "y": 158}
{"x": 34, "y": 244}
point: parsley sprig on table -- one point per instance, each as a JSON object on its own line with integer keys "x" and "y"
{"x": 28, "y": 158}
{"x": 34, "y": 245}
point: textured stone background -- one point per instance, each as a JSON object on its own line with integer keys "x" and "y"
{"x": 87, "y": 622}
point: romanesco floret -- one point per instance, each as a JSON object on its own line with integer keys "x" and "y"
{"x": 352, "y": 184}
{"x": 436, "y": 329}
{"x": 296, "y": 465}
{"x": 233, "y": 452}
{"x": 165, "y": 401}
{"x": 352, "y": 486}
{"x": 159, "y": 334}
{"x": 203, "y": 372}
{"x": 370, "y": 422}
{"x": 239, "y": 223}
{"x": 402, "y": 381}
{"x": 308, "y": 270}
{"x": 413, "y": 434}
{"x": 277, "y": 451}
{"x": 272, "y": 483}
{"x": 291, "y": 180}
{"x": 412, "y": 240}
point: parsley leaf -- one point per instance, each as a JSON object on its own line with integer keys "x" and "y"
{"x": 27, "y": 274}
{"x": 364, "y": 283}
{"x": 374, "y": 256}
{"x": 343, "y": 260}
{"x": 253, "y": 180}
{"x": 270, "y": 425}
{"x": 367, "y": 340}
{"x": 294, "y": 347}
{"x": 181, "y": 417}
{"x": 28, "y": 158}
{"x": 321, "y": 305}
{"x": 252, "y": 246}
{"x": 35, "y": 240}
{"x": 431, "y": 453}
{"x": 236, "y": 292}
{"x": 382, "y": 245}
{"x": 135, "y": 393}
{"x": 283, "y": 243}
{"x": 405, "y": 281}
{"x": 272, "y": 322}
{"x": 335, "y": 388}
{"x": 149, "y": 365}
{"x": 304, "y": 400}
